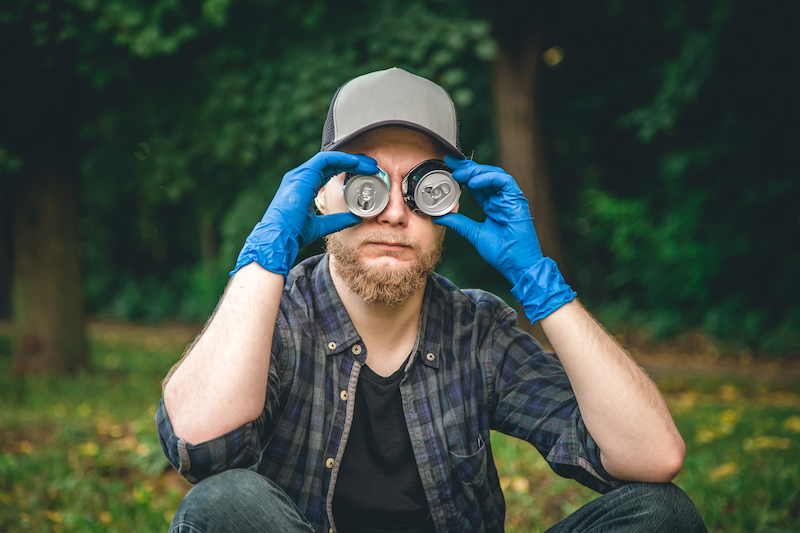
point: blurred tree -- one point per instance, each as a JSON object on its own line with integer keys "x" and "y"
{"x": 519, "y": 28}
{"x": 58, "y": 60}
{"x": 516, "y": 73}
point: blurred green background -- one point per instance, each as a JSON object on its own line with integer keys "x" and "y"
{"x": 669, "y": 127}
{"x": 140, "y": 141}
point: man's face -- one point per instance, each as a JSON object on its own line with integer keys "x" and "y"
{"x": 396, "y": 247}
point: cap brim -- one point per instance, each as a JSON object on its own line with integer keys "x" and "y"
{"x": 447, "y": 146}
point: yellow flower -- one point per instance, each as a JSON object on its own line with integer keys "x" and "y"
{"x": 728, "y": 469}
{"x": 55, "y": 517}
{"x": 90, "y": 449}
{"x": 143, "y": 449}
{"x": 767, "y": 442}
{"x": 685, "y": 401}
{"x": 140, "y": 495}
{"x": 729, "y": 417}
{"x": 520, "y": 484}
{"x": 792, "y": 424}
{"x": 704, "y": 436}
{"x": 25, "y": 447}
{"x": 105, "y": 518}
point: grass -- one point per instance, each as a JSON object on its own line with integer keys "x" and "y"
{"x": 741, "y": 468}
{"x": 81, "y": 454}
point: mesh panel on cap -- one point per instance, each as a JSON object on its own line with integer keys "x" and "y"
{"x": 328, "y": 130}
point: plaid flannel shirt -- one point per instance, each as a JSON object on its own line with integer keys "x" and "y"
{"x": 473, "y": 371}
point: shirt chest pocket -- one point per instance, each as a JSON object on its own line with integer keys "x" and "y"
{"x": 475, "y": 507}
{"x": 470, "y": 468}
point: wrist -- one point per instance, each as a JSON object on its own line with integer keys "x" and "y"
{"x": 271, "y": 247}
{"x": 542, "y": 290}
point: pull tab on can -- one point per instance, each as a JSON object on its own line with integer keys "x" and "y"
{"x": 430, "y": 189}
{"x": 366, "y": 195}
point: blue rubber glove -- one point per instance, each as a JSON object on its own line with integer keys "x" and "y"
{"x": 290, "y": 221}
{"x": 507, "y": 239}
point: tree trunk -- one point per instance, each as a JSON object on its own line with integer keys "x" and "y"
{"x": 519, "y": 134}
{"x": 47, "y": 299}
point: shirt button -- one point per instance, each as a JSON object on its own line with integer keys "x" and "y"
{"x": 430, "y": 357}
{"x": 356, "y": 349}
{"x": 331, "y": 345}
{"x": 329, "y": 462}
{"x": 343, "y": 395}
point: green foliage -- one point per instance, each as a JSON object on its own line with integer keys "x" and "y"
{"x": 217, "y": 152}
{"x": 681, "y": 214}
{"x": 684, "y": 77}
{"x": 144, "y": 28}
{"x": 670, "y": 130}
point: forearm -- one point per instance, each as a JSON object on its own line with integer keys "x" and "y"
{"x": 621, "y": 407}
{"x": 221, "y": 383}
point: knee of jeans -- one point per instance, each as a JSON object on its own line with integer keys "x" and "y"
{"x": 238, "y": 500}
{"x": 228, "y": 484}
{"x": 667, "y": 505}
{"x": 221, "y": 491}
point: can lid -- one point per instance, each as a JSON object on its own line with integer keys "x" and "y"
{"x": 366, "y": 196}
{"x": 437, "y": 193}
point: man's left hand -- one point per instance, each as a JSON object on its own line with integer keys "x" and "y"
{"x": 507, "y": 239}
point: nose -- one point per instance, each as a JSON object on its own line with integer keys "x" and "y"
{"x": 396, "y": 212}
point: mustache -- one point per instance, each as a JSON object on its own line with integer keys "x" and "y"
{"x": 385, "y": 237}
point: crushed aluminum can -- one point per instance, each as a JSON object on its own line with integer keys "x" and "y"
{"x": 429, "y": 188}
{"x": 366, "y": 195}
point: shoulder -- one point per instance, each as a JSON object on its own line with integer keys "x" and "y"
{"x": 297, "y": 304}
{"x": 304, "y": 272}
{"x": 481, "y": 319}
{"x": 303, "y": 281}
{"x": 296, "y": 323}
{"x": 469, "y": 306}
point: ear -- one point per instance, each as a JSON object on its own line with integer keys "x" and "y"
{"x": 319, "y": 201}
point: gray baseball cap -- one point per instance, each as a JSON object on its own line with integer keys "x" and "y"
{"x": 391, "y": 97}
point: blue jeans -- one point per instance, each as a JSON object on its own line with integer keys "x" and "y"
{"x": 244, "y": 501}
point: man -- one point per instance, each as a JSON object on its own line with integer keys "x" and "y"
{"x": 357, "y": 391}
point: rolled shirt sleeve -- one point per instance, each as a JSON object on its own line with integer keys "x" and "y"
{"x": 239, "y": 448}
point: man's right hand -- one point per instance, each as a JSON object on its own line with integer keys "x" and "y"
{"x": 290, "y": 221}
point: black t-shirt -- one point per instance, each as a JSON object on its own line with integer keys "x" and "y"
{"x": 378, "y": 488}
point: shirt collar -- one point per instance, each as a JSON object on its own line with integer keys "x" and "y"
{"x": 430, "y": 333}
{"x": 330, "y": 316}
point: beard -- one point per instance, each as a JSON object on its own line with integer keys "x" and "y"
{"x": 386, "y": 285}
